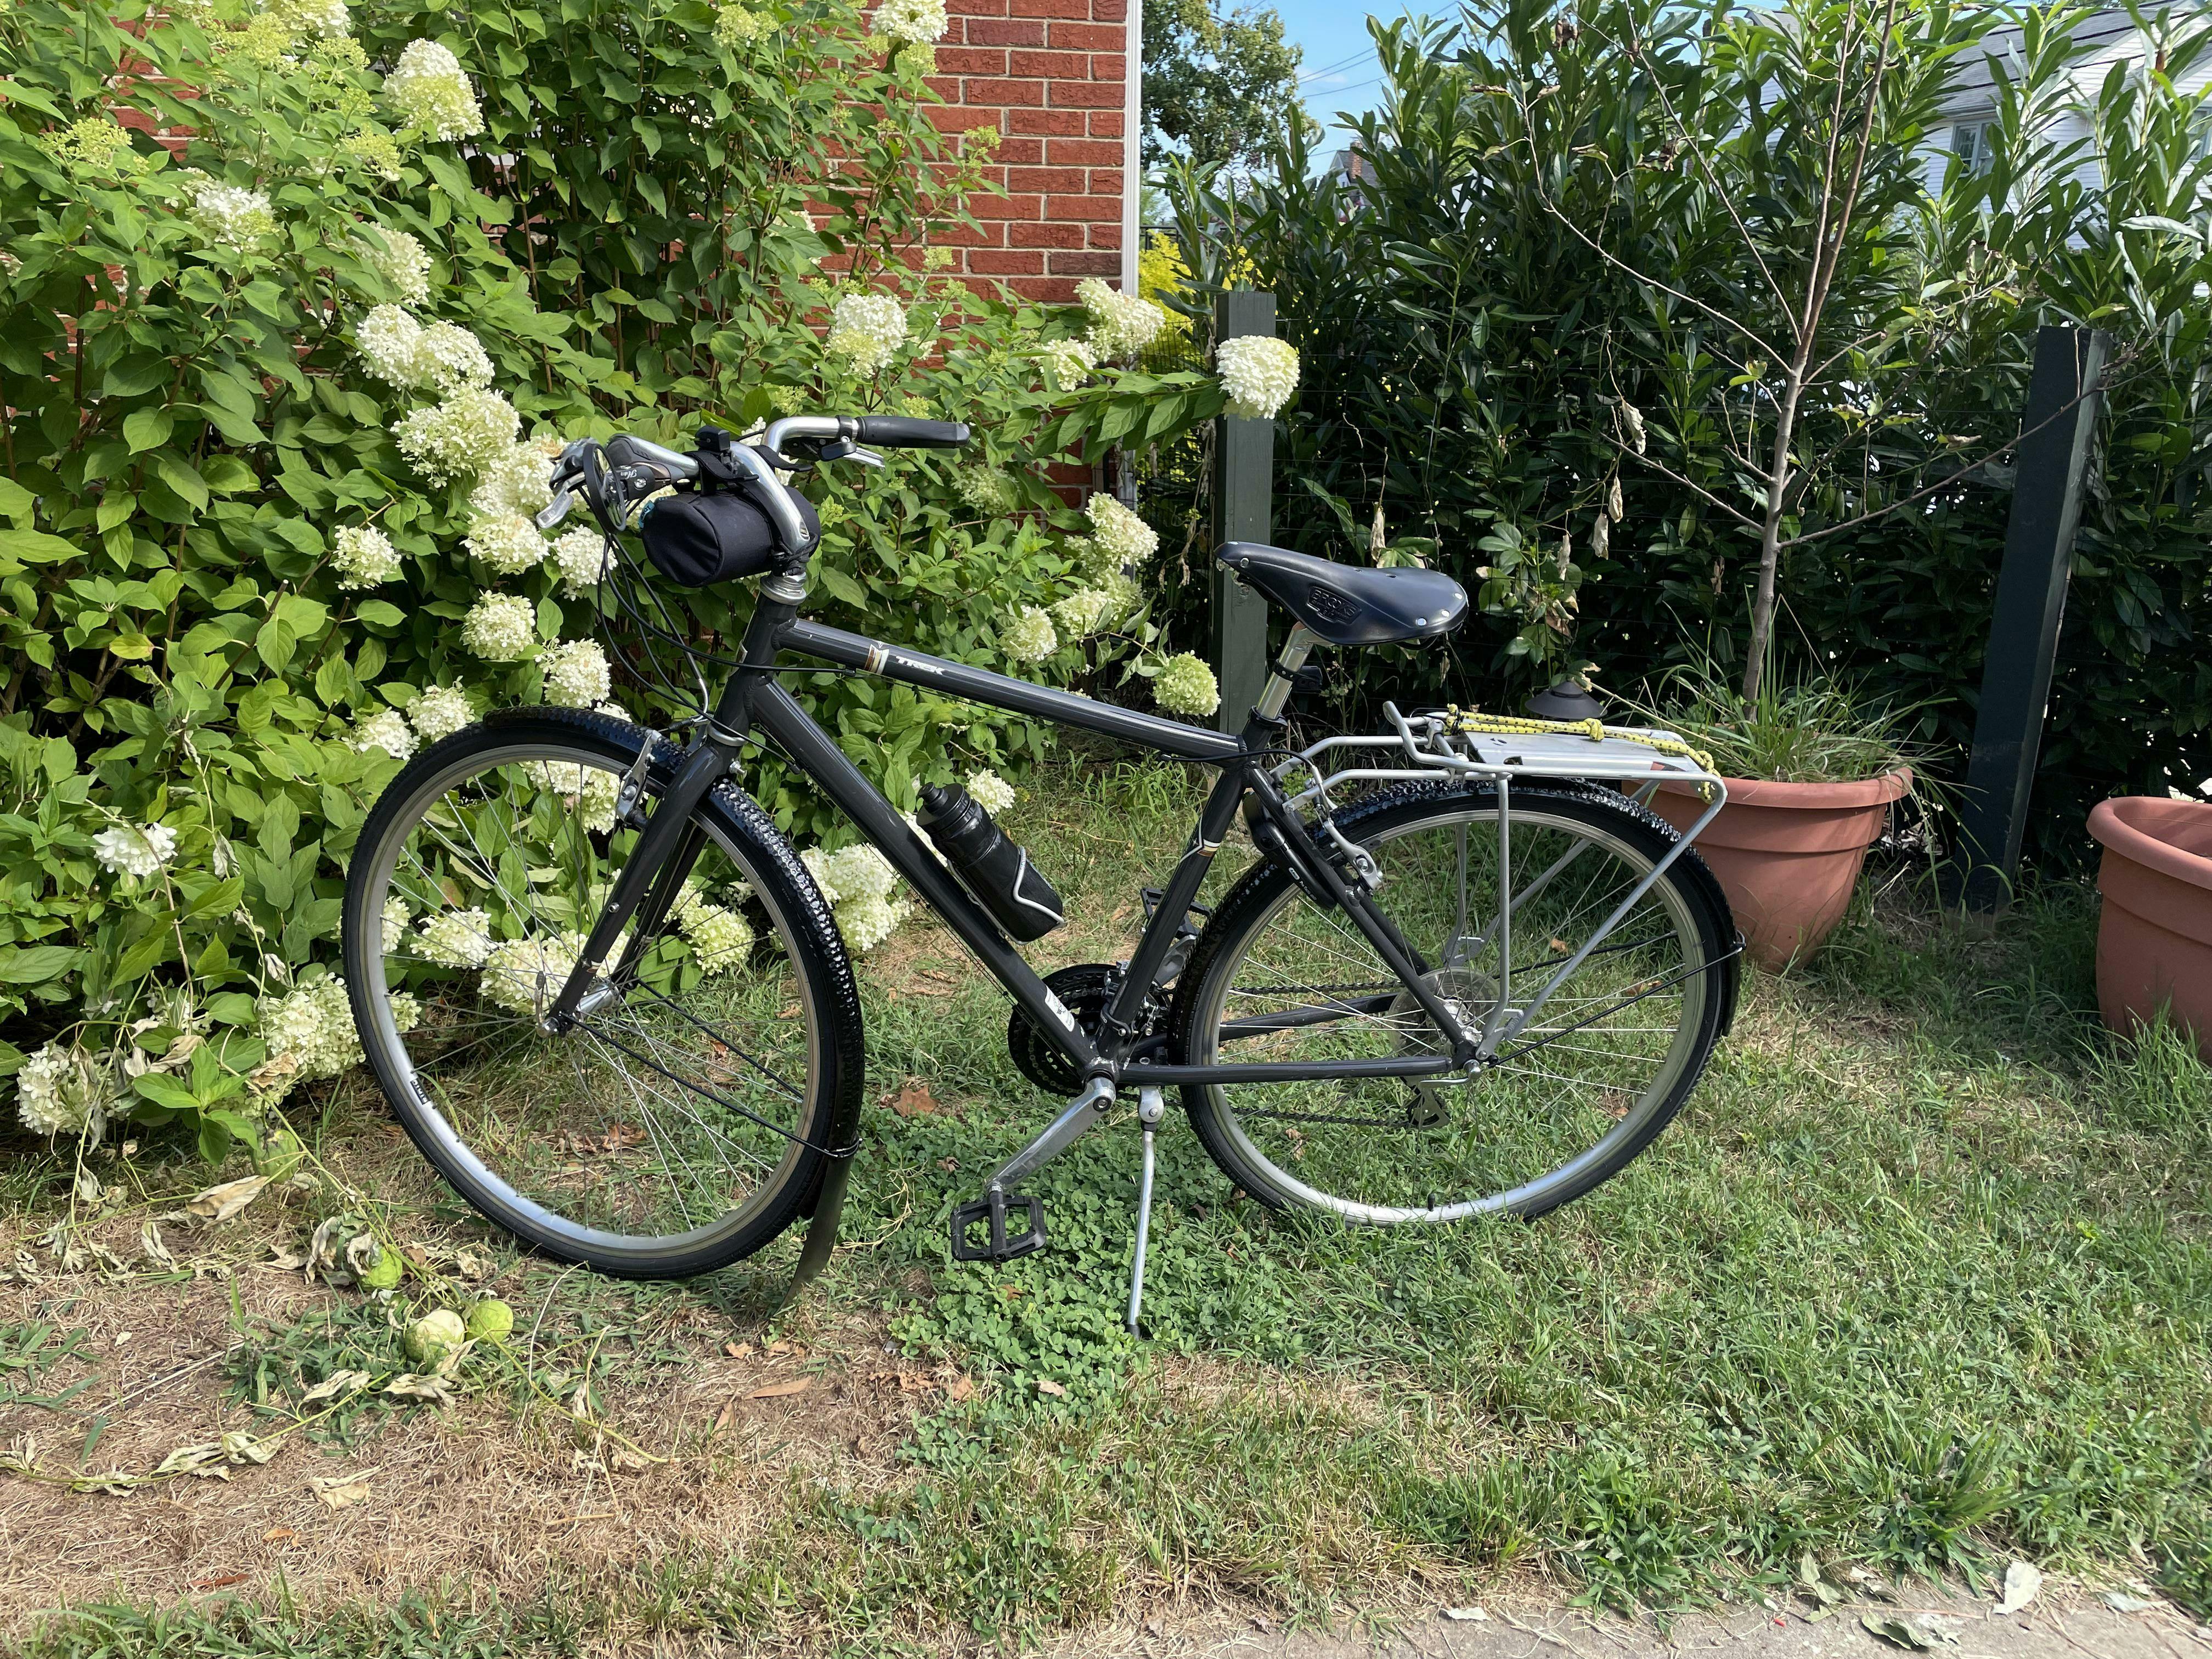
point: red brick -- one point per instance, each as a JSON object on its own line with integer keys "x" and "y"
{"x": 947, "y": 86}
{"x": 1047, "y": 234}
{"x": 1006, "y": 265}
{"x": 1052, "y": 65}
{"x": 1083, "y": 153}
{"x": 1108, "y": 66}
{"x": 1065, "y": 180}
{"x": 1008, "y": 95}
{"x": 958, "y": 235}
{"x": 1067, "y": 208}
{"x": 1021, "y": 153}
{"x": 1073, "y": 10}
{"x": 976, "y": 8}
{"x": 1109, "y": 11}
{"x": 1004, "y": 32}
{"x": 1089, "y": 37}
{"x": 1106, "y": 181}
{"x": 1085, "y": 94}
{"x": 1106, "y": 124}
{"x": 971, "y": 60}
{"x": 1051, "y": 123}
{"x": 1008, "y": 206}
{"x": 1106, "y": 236}
{"x": 1050, "y": 290}
{"x": 953, "y": 119}
{"x": 1086, "y": 265}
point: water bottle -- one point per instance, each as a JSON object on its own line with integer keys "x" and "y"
{"x": 996, "y": 870}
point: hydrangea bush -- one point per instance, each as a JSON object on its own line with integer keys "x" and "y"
{"x": 281, "y": 398}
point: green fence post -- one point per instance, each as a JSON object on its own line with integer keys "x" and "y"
{"x": 2031, "y": 601}
{"x": 1243, "y": 496}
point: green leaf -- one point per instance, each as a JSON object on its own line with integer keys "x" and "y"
{"x": 146, "y": 429}
{"x": 843, "y": 587}
{"x": 38, "y": 964}
{"x": 36, "y": 547}
{"x": 165, "y": 1090}
{"x": 380, "y": 613}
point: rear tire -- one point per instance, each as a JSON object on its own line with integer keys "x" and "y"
{"x": 679, "y": 1128}
{"x": 1278, "y": 977}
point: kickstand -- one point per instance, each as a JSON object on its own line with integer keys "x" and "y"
{"x": 1150, "y": 1110}
{"x": 822, "y": 1230}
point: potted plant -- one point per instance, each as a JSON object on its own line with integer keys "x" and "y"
{"x": 1812, "y": 771}
{"x": 2154, "y": 940}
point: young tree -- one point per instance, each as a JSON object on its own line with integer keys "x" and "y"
{"x": 1216, "y": 85}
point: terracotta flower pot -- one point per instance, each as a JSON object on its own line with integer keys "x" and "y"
{"x": 1787, "y": 855}
{"x": 2154, "y": 941}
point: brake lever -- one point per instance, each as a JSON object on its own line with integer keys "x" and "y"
{"x": 563, "y": 498}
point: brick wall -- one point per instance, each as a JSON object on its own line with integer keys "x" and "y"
{"x": 1053, "y": 77}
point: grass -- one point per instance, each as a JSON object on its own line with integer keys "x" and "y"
{"x": 1920, "y": 1280}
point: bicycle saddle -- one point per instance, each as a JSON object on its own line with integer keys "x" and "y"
{"x": 1346, "y": 603}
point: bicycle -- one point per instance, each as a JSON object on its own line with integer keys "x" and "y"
{"x": 611, "y": 1006}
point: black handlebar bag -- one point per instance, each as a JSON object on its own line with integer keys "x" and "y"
{"x": 697, "y": 539}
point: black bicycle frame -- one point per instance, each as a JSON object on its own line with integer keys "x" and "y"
{"x": 756, "y": 701}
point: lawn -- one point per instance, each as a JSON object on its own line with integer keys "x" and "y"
{"x": 1921, "y": 1279}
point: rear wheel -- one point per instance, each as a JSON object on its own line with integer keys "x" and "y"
{"x": 681, "y": 1124}
{"x": 1567, "y": 1102}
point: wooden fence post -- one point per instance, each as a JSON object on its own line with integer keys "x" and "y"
{"x": 1244, "y": 498}
{"x": 2031, "y": 601}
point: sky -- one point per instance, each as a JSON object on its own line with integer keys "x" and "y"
{"x": 1339, "y": 72}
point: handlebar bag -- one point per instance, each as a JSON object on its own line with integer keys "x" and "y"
{"x": 697, "y": 540}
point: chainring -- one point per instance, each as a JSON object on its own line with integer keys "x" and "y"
{"x": 1086, "y": 989}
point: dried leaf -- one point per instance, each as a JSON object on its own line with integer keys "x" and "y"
{"x": 223, "y": 1582}
{"x": 407, "y": 1385}
{"x": 338, "y": 1491}
{"x": 151, "y": 1247}
{"x": 2022, "y": 1584}
{"x": 1466, "y": 1615}
{"x": 960, "y": 1388}
{"x": 339, "y": 1385}
{"x": 279, "y": 1535}
{"x": 88, "y": 1190}
{"x": 1046, "y": 1385}
{"x": 913, "y": 1100}
{"x": 281, "y": 1260}
{"x": 737, "y": 1350}
{"x": 218, "y": 1204}
{"x": 780, "y": 1390}
{"x": 2121, "y": 1601}
{"x": 214, "y": 1459}
{"x": 1895, "y": 1631}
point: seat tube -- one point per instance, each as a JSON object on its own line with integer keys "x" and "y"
{"x": 1267, "y": 713}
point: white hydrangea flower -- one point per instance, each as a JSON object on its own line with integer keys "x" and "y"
{"x": 1259, "y": 373}
{"x": 61, "y": 1090}
{"x": 429, "y": 91}
{"x": 401, "y": 263}
{"x": 519, "y": 481}
{"x": 579, "y": 556}
{"x": 1028, "y": 637}
{"x": 459, "y": 437}
{"x": 866, "y": 331}
{"x": 507, "y": 541}
{"x": 1121, "y": 537}
{"x": 986, "y": 488}
{"x": 406, "y": 1011}
{"x": 591, "y": 791}
{"x": 519, "y": 973}
{"x": 720, "y": 939}
{"x": 448, "y": 356}
{"x": 500, "y": 627}
{"x": 440, "y": 712}
{"x": 1069, "y": 363}
{"x": 315, "y": 1026}
{"x": 1081, "y": 611}
{"x": 227, "y": 215}
{"x": 135, "y": 849}
{"x": 736, "y": 27}
{"x": 386, "y": 729}
{"x": 919, "y": 21}
{"x": 818, "y": 866}
{"x": 393, "y": 928}
{"x": 456, "y": 938}
{"x": 868, "y": 921}
{"x": 1122, "y": 324}
{"x": 989, "y": 791}
{"x": 325, "y": 17}
{"x": 387, "y": 338}
{"x": 576, "y": 673}
{"x": 1186, "y": 685}
{"x": 860, "y": 872}
{"x": 363, "y": 556}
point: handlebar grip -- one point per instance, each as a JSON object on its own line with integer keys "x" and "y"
{"x": 900, "y": 432}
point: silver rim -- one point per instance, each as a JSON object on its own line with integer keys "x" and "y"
{"x": 663, "y": 1125}
{"x": 1304, "y": 984}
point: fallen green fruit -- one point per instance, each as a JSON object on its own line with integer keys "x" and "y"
{"x": 384, "y": 1273}
{"x": 490, "y": 1320}
{"x": 430, "y": 1336}
{"x": 279, "y": 1155}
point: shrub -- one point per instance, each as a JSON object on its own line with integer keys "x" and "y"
{"x": 278, "y": 389}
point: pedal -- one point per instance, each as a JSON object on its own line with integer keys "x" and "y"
{"x": 990, "y": 1211}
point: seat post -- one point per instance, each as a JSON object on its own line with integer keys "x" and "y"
{"x": 1277, "y": 691}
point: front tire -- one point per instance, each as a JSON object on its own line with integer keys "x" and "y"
{"x": 1603, "y": 1067}
{"x": 676, "y": 1128}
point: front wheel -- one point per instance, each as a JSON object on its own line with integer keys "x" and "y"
{"x": 684, "y": 1120}
{"x": 1565, "y": 1103}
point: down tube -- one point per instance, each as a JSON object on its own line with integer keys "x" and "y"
{"x": 778, "y": 714}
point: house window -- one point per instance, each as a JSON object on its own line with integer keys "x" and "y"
{"x": 1974, "y": 142}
